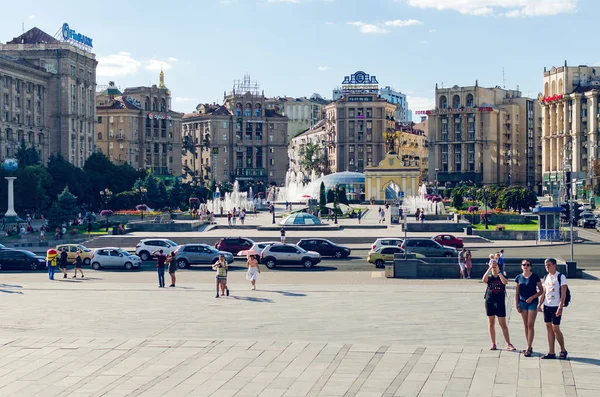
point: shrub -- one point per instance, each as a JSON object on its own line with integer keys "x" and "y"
{"x": 106, "y": 213}
{"x": 500, "y": 227}
{"x": 473, "y": 209}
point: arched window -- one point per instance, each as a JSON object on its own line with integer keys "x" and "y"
{"x": 163, "y": 105}
{"x": 154, "y": 104}
{"x": 553, "y": 88}
{"x": 99, "y": 136}
{"x": 456, "y": 101}
{"x": 443, "y": 102}
{"x": 147, "y": 103}
{"x": 30, "y": 137}
{"x": 238, "y": 110}
{"x": 40, "y": 139}
{"x": 20, "y": 135}
{"x": 257, "y": 110}
{"x": 560, "y": 86}
{"x": 470, "y": 101}
{"x": 546, "y": 89}
{"x": 248, "y": 111}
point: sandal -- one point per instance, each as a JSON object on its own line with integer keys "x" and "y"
{"x": 511, "y": 347}
{"x": 563, "y": 355}
{"x": 549, "y": 356}
{"x": 527, "y": 352}
{"x": 493, "y": 347}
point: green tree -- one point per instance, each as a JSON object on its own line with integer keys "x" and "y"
{"x": 457, "y": 199}
{"x": 125, "y": 200}
{"x": 516, "y": 198}
{"x": 153, "y": 198}
{"x": 342, "y": 198}
{"x": 162, "y": 189}
{"x": 64, "y": 209}
{"x": 176, "y": 194}
{"x": 27, "y": 155}
{"x": 322, "y": 196}
{"x": 32, "y": 187}
{"x": 311, "y": 157}
{"x": 66, "y": 174}
{"x": 330, "y": 196}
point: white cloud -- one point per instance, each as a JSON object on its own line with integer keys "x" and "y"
{"x": 508, "y": 8}
{"x": 156, "y": 65}
{"x": 32, "y": 17}
{"x": 432, "y": 30}
{"x": 368, "y": 28}
{"x": 115, "y": 65}
{"x": 322, "y": 68}
{"x": 420, "y": 102}
{"x": 399, "y": 23}
{"x": 179, "y": 99}
{"x": 171, "y": 59}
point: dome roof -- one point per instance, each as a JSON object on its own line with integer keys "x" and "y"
{"x": 301, "y": 219}
{"x": 346, "y": 177}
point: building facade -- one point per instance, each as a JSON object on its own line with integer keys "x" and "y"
{"x": 411, "y": 145}
{"x": 240, "y": 140}
{"x": 70, "y": 91}
{"x": 484, "y": 135}
{"x": 570, "y": 130}
{"x": 302, "y": 113}
{"x": 139, "y": 128}
{"x": 403, "y": 114}
{"x": 23, "y": 108}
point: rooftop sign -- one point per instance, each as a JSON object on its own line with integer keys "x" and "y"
{"x": 360, "y": 83}
{"x": 455, "y": 110}
{"x": 69, "y": 34}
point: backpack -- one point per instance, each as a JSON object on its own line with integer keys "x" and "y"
{"x": 568, "y": 297}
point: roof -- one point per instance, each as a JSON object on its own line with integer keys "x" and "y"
{"x": 212, "y": 110}
{"x": 20, "y": 61}
{"x": 272, "y": 113}
{"x": 119, "y": 103}
{"x": 34, "y": 36}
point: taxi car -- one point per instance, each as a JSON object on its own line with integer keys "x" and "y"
{"x": 84, "y": 252}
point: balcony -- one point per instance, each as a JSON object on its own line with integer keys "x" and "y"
{"x": 250, "y": 172}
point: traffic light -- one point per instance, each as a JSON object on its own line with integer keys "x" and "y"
{"x": 565, "y": 216}
{"x": 576, "y": 213}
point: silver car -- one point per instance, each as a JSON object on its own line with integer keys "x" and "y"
{"x": 199, "y": 254}
{"x": 288, "y": 255}
{"x": 114, "y": 257}
{"x": 428, "y": 247}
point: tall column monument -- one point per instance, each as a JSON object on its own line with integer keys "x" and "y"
{"x": 10, "y": 166}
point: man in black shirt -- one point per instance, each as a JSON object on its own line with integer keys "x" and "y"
{"x": 63, "y": 261}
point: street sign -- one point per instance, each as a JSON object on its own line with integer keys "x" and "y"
{"x": 401, "y": 194}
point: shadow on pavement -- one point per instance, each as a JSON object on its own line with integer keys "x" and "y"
{"x": 10, "y": 286}
{"x": 252, "y": 299}
{"x": 587, "y": 276}
{"x": 7, "y": 291}
{"x": 284, "y": 293}
{"x": 591, "y": 361}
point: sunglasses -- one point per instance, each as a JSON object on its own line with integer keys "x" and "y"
{"x": 525, "y": 264}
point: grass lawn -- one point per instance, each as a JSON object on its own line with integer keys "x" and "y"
{"x": 529, "y": 226}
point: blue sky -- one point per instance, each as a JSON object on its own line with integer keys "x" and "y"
{"x": 299, "y": 47}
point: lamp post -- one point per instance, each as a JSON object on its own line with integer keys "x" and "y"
{"x": 485, "y": 214}
{"x": 142, "y": 191}
{"x": 273, "y": 204}
{"x": 436, "y": 189}
{"x": 335, "y": 201}
{"x": 105, "y": 195}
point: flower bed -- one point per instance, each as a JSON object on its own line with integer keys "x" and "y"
{"x": 136, "y": 212}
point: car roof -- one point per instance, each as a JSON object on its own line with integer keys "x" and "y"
{"x": 109, "y": 248}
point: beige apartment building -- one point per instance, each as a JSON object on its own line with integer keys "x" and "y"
{"x": 570, "y": 130}
{"x": 302, "y": 113}
{"x": 241, "y": 140}
{"x": 411, "y": 145}
{"x": 484, "y": 135}
{"x": 65, "y": 121}
{"x": 138, "y": 127}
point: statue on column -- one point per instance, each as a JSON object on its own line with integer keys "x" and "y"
{"x": 10, "y": 165}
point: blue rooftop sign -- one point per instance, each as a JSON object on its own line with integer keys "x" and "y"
{"x": 70, "y": 34}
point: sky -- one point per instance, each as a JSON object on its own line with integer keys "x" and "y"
{"x": 300, "y": 47}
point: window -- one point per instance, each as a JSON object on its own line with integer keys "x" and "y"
{"x": 99, "y": 119}
{"x": 272, "y": 161}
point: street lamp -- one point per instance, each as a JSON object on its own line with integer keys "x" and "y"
{"x": 105, "y": 195}
{"x": 335, "y": 201}
{"x": 436, "y": 189}
{"x": 142, "y": 191}
{"x": 273, "y": 205}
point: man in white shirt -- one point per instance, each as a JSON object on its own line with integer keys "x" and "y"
{"x": 553, "y": 302}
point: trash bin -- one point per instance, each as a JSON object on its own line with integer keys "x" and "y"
{"x": 389, "y": 270}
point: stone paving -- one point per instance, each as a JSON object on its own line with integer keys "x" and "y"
{"x": 300, "y": 334}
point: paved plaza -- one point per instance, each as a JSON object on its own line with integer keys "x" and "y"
{"x": 302, "y": 333}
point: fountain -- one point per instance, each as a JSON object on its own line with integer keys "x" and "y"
{"x": 410, "y": 204}
{"x": 235, "y": 199}
{"x": 295, "y": 188}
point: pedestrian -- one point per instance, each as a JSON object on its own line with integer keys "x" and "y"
{"x": 221, "y": 267}
{"x": 287, "y": 205}
{"x": 319, "y": 214}
{"x": 161, "y": 259}
{"x": 495, "y": 305}
{"x": 253, "y": 270}
{"x": 172, "y": 263}
{"x": 78, "y": 263}
{"x": 89, "y": 228}
{"x": 42, "y": 233}
{"x": 242, "y": 216}
{"x": 529, "y": 288}
{"x": 229, "y": 218}
{"x": 555, "y": 295}
{"x": 417, "y": 213}
{"x": 221, "y": 211}
{"x": 422, "y": 216}
{"x": 468, "y": 263}
{"x": 382, "y": 216}
{"x": 63, "y": 261}
{"x": 461, "y": 262}
{"x": 501, "y": 262}
{"x": 51, "y": 262}
{"x": 282, "y": 232}
{"x": 234, "y": 215}
{"x": 329, "y": 216}
{"x": 359, "y": 216}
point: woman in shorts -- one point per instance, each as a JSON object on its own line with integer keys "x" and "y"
{"x": 221, "y": 267}
{"x": 468, "y": 263}
{"x": 495, "y": 305}
{"x": 529, "y": 288}
{"x": 78, "y": 263}
{"x": 253, "y": 270}
{"x": 172, "y": 264}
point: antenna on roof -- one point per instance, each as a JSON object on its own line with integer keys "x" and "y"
{"x": 503, "y": 79}
{"x": 23, "y": 26}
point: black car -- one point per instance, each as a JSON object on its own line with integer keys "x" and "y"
{"x": 324, "y": 247}
{"x": 587, "y": 220}
{"x": 11, "y": 259}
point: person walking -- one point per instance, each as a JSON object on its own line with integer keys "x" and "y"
{"x": 229, "y": 218}
{"x": 51, "y": 262}
{"x": 42, "y": 233}
{"x": 359, "y": 216}
{"x": 89, "y": 228}
{"x": 382, "y": 216}
{"x": 495, "y": 305}
{"x": 461, "y": 262}
{"x": 63, "y": 261}
{"x": 468, "y": 263}
{"x": 161, "y": 259}
{"x": 172, "y": 263}
{"x": 221, "y": 267}
{"x": 242, "y": 216}
{"x": 282, "y": 232}
{"x": 555, "y": 293}
{"x": 78, "y": 263}
{"x": 528, "y": 289}
{"x": 500, "y": 258}
{"x": 234, "y": 215}
{"x": 253, "y": 270}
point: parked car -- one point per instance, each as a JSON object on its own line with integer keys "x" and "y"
{"x": 114, "y": 257}
{"x": 386, "y": 254}
{"x": 146, "y": 247}
{"x": 84, "y": 252}
{"x": 585, "y": 207}
{"x": 260, "y": 246}
{"x": 234, "y": 244}
{"x": 12, "y": 259}
{"x": 288, "y": 255}
{"x": 449, "y": 240}
{"x": 587, "y": 219}
{"x": 391, "y": 241}
{"x": 324, "y": 247}
{"x": 428, "y": 247}
{"x": 199, "y": 254}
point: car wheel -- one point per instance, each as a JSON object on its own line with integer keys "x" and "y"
{"x": 182, "y": 264}
{"x": 270, "y": 263}
{"x": 128, "y": 265}
{"x": 145, "y": 255}
{"x": 86, "y": 261}
{"x": 447, "y": 255}
{"x": 307, "y": 263}
{"x": 379, "y": 263}
{"x": 33, "y": 266}
{"x": 338, "y": 254}
{"x": 96, "y": 266}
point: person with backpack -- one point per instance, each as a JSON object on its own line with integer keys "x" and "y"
{"x": 495, "y": 305}
{"x": 556, "y": 297}
{"x": 528, "y": 289}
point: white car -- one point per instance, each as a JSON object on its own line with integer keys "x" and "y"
{"x": 260, "y": 246}
{"x": 146, "y": 247}
{"x": 114, "y": 257}
{"x": 389, "y": 241}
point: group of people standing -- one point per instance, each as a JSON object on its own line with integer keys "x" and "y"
{"x": 234, "y": 214}
{"x": 163, "y": 260}
{"x": 548, "y": 296}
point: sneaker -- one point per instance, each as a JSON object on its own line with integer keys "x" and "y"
{"x": 493, "y": 347}
{"x": 468, "y": 276}
{"x": 172, "y": 285}
{"x": 227, "y": 291}
{"x": 217, "y": 296}
{"x": 74, "y": 277}
{"x": 65, "y": 276}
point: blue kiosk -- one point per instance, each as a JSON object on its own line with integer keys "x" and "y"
{"x": 549, "y": 223}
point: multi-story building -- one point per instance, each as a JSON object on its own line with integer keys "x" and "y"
{"x": 403, "y": 114}
{"x": 69, "y": 91}
{"x": 485, "y": 135}
{"x": 570, "y": 129}
{"x": 302, "y": 113}
{"x": 139, "y": 128}
{"x": 411, "y": 144}
{"x": 23, "y": 107}
{"x": 317, "y": 135}
{"x": 240, "y": 140}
